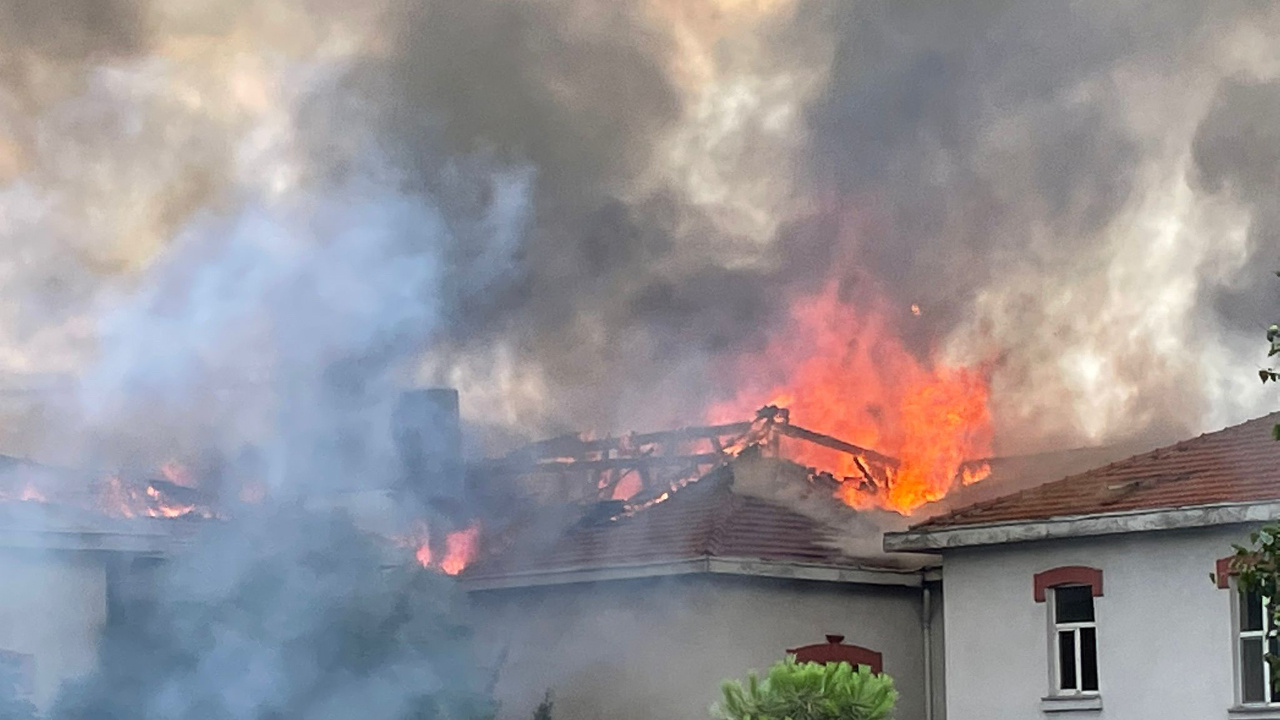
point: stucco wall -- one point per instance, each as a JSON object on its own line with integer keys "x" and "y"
{"x": 53, "y": 605}
{"x": 659, "y": 648}
{"x": 1164, "y": 630}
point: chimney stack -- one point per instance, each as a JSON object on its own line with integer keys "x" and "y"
{"x": 428, "y": 435}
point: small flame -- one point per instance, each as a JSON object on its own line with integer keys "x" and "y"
{"x": 975, "y": 474}
{"x": 915, "y": 309}
{"x": 460, "y": 549}
{"x": 118, "y": 498}
{"x": 177, "y": 473}
{"x": 161, "y": 507}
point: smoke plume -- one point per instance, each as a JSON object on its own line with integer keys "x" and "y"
{"x": 234, "y": 221}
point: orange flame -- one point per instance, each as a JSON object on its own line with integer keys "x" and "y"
{"x": 118, "y": 498}
{"x": 971, "y": 475}
{"x": 460, "y": 548}
{"x": 845, "y": 373}
{"x": 177, "y": 473}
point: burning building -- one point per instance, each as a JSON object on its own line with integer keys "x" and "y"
{"x": 90, "y": 556}
{"x": 651, "y": 566}
{"x": 69, "y": 573}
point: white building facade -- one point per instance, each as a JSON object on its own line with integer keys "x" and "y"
{"x": 1108, "y": 595}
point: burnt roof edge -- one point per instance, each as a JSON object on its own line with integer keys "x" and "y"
{"x": 933, "y": 540}
{"x": 748, "y": 567}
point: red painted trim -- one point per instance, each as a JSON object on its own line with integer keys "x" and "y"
{"x": 1070, "y": 575}
{"x": 834, "y": 650}
{"x": 1224, "y": 572}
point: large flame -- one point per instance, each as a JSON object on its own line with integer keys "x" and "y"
{"x": 844, "y": 372}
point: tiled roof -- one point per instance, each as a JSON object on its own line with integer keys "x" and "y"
{"x": 1238, "y": 464}
{"x": 705, "y": 519}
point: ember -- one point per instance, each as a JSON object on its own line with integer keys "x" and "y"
{"x": 846, "y": 372}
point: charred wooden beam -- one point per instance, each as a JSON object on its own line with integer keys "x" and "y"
{"x": 799, "y": 433}
{"x": 574, "y": 446}
{"x": 621, "y": 463}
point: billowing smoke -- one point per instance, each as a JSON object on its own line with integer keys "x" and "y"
{"x": 233, "y": 231}
{"x": 285, "y": 615}
{"x": 585, "y": 214}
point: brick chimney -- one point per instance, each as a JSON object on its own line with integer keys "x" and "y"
{"x": 427, "y": 431}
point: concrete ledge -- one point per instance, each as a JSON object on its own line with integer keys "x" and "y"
{"x": 1071, "y": 703}
{"x": 694, "y": 566}
{"x": 1254, "y": 712}
{"x": 944, "y": 538}
{"x": 90, "y": 541}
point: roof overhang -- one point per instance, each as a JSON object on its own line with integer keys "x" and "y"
{"x": 703, "y": 566}
{"x": 87, "y": 541}
{"x": 1003, "y": 533}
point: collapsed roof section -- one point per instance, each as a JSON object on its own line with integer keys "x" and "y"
{"x": 728, "y": 522}
{"x": 688, "y": 500}
{"x": 642, "y": 469}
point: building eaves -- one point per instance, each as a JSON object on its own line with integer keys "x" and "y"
{"x": 935, "y": 539}
{"x": 743, "y": 567}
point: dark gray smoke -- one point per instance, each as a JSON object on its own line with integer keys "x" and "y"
{"x": 1237, "y": 155}
{"x": 233, "y": 231}
{"x": 1058, "y": 188}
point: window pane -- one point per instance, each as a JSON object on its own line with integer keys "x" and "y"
{"x": 1067, "y": 659}
{"x": 1250, "y": 611}
{"x": 1088, "y": 659}
{"x": 1251, "y": 668}
{"x": 1074, "y": 604}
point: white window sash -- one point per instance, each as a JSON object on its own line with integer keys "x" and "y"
{"x": 1055, "y": 646}
{"x": 1243, "y": 635}
{"x": 1074, "y": 628}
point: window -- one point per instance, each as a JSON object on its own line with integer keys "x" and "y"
{"x": 1075, "y": 640}
{"x": 1253, "y": 622}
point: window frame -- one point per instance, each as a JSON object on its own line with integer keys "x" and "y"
{"x": 1055, "y": 650}
{"x": 1238, "y": 637}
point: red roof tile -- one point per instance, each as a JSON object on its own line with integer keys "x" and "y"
{"x": 1238, "y": 464}
{"x": 705, "y": 519}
